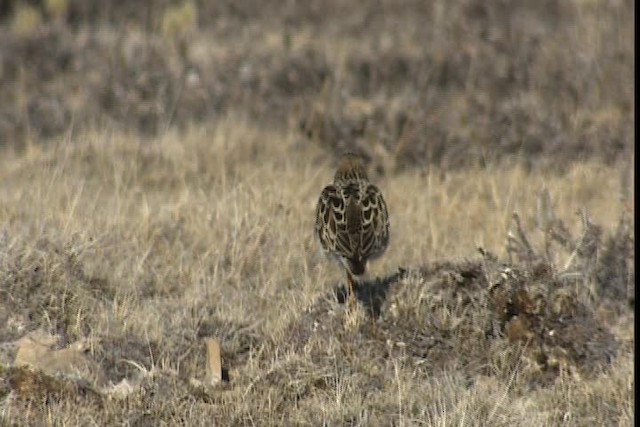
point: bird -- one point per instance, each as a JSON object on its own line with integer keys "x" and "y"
{"x": 352, "y": 221}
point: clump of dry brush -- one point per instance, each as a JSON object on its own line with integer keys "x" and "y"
{"x": 603, "y": 267}
{"x": 554, "y": 298}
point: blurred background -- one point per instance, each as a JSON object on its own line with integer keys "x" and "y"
{"x": 452, "y": 83}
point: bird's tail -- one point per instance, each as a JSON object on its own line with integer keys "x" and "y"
{"x": 356, "y": 266}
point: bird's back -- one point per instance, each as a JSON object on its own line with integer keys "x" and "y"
{"x": 352, "y": 222}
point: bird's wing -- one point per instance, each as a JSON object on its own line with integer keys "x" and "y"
{"x": 331, "y": 224}
{"x": 375, "y": 222}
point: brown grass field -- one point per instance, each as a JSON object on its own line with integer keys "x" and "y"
{"x": 159, "y": 171}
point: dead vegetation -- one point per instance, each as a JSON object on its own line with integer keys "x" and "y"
{"x": 129, "y": 268}
{"x": 451, "y": 83}
{"x": 158, "y": 175}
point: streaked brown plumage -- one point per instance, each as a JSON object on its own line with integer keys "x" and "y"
{"x": 352, "y": 223}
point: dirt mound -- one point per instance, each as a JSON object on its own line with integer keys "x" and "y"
{"x": 448, "y": 316}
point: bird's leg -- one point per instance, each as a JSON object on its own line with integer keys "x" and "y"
{"x": 352, "y": 294}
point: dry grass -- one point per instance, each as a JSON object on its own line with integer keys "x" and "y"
{"x": 452, "y": 83}
{"x": 145, "y": 247}
{"x": 160, "y": 163}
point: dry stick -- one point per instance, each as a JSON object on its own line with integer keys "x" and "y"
{"x": 486, "y": 258}
{"x": 545, "y": 220}
{"x": 586, "y": 224}
{"x": 560, "y": 234}
{"x": 522, "y": 236}
{"x": 519, "y": 241}
{"x": 214, "y": 362}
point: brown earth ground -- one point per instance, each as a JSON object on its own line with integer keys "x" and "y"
{"x": 159, "y": 169}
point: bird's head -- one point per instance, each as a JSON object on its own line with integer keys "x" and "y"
{"x": 351, "y": 166}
